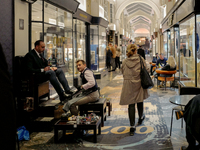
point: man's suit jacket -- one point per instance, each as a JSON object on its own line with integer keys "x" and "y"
{"x": 33, "y": 63}
{"x": 141, "y": 52}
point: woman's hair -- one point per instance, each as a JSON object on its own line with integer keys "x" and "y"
{"x": 171, "y": 61}
{"x": 107, "y": 47}
{"x": 131, "y": 48}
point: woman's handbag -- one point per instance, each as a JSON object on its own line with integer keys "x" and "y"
{"x": 146, "y": 80}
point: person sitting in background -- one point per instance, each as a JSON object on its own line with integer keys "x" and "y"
{"x": 170, "y": 66}
{"x": 162, "y": 61}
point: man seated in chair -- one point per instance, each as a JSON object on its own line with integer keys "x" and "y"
{"x": 89, "y": 89}
{"x": 191, "y": 116}
{"x": 36, "y": 63}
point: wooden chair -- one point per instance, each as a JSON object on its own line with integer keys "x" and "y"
{"x": 26, "y": 86}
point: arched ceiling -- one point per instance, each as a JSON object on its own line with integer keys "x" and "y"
{"x": 132, "y": 8}
{"x": 140, "y": 18}
{"x": 149, "y": 6}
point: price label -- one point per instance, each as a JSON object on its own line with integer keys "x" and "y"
{"x": 75, "y": 125}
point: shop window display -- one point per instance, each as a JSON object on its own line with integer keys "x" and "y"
{"x": 187, "y": 50}
{"x": 57, "y": 34}
{"x": 165, "y": 43}
{"x": 169, "y": 44}
{"x": 198, "y": 48}
{"x": 102, "y": 48}
{"x": 79, "y": 42}
{"x": 94, "y": 46}
{"x": 176, "y": 40}
{"x": 171, "y": 52}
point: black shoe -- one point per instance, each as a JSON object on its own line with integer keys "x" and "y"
{"x": 69, "y": 92}
{"x": 132, "y": 131}
{"x": 141, "y": 120}
{"x": 65, "y": 97}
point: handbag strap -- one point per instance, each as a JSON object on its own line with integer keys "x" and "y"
{"x": 141, "y": 63}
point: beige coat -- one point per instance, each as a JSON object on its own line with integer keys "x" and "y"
{"x": 132, "y": 91}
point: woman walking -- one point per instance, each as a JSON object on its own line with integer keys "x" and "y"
{"x": 132, "y": 91}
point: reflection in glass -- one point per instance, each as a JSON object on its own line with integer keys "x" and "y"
{"x": 102, "y": 47}
{"x": 187, "y": 51}
{"x": 79, "y": 43}
{"x": 171, "y": 53}
{"x": 176, "y": 40}
{"x": 169, "y": 44}
{"x": 165, "y": 43}
{"x": 57, "y": 35}
{"x": 94, "y": 46}
{"x": 198, "y": 48}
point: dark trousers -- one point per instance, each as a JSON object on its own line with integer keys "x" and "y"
{"x": 117, "y": 62}
{"x": 56, "y": 77}
{"x": 131, "y": 112}
{"x": 151, "y": 70}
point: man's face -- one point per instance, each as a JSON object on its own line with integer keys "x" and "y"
{"x": 80, "y": 66}
{"x": 161, "y": 57}
{"x": 40, "y": 48}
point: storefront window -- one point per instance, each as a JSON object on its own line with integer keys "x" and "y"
{"x": 169, "y": 44}
{"x": 57, "y": 35}
{"x": 102, "y": 48}
{"x": 187, "y": 51}
{"x": 154, "y": 46}
{"x": 176, "y": 40}
{"x": 79, "y": 43}
{"x": 94, "y": 46}
{"x": 171, "y": 53}
{"x": 165, "y": 43}
{"x": 198, "y": 48}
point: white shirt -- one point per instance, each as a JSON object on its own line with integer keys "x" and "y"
{"x": 90, "y": 78}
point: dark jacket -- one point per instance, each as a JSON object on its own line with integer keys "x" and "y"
{"x": 191, "y": 114}
{"x": 162, "y": 62}
{"x": 167, "y": 67}
{"x": 141, "y": 52}
{"x": 7, "y": 110}
{"x": 108, "y": 56}
{"x": 34, "y": 64}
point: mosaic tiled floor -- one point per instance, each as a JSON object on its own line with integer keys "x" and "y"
{"x": 152, "y": 134}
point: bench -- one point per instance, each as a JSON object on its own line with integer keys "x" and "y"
{"x": 98, "y": 108}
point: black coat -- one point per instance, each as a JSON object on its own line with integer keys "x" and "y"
{"x": 141, "y": 52}
{"x": 7, "y": 111}
{"x": 33, "y": 64}
{"x": 167, "y": 67}
{"x": 191, "y": 114}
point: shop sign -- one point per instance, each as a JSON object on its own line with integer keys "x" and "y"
{"x": 170, "y": 20}
{"x": 82, "y": 15}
